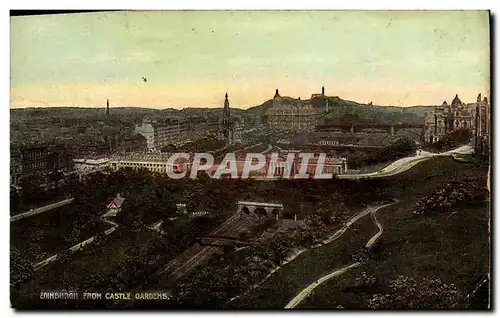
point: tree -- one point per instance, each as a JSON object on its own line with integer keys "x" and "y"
{"x": 409, "y": 293}
{"x": 72, "y": 237}
{"x": 20, "y": 268}
{"x": 55, "y": 177}
{"x": 453, "y": 139}
{"x": 15, "y": 200}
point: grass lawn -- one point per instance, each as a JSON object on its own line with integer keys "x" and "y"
{"x": 43, "y": 235}
{"x": 308, "y": 267}
{"x": 105, "y": 261}
{"x": 452, "y": 247}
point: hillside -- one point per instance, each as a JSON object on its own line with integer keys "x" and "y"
{"x": 341, "y": 110}
{"x": 116, "y": 112}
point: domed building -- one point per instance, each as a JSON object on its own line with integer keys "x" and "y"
{"x": 447, "y": 118}
{"x": 291, "y": 115}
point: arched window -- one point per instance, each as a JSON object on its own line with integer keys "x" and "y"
{"x": 261, "y": 212}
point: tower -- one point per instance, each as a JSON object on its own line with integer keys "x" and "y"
{"x": 277, "y": 94}
{"x": 323, "y": 91}
{"x": 226, "y": 123}
{"x": 107, "y": 107}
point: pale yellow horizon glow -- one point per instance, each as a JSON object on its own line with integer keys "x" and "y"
{"x": 191, "y": 59}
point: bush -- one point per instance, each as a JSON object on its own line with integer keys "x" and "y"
{"x": 20, "y": 267}
{"x": 469, "y": 191}
{"x": 409, "y": 293}
{"x": 400, "y": 148}
{"x": 453, "y": 140}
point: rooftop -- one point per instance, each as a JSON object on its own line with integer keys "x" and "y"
{"x": 270, "y": 205}
{"x": 92, "y": 161}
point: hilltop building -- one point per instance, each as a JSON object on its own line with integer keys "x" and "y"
{"x": 291, "y": 115}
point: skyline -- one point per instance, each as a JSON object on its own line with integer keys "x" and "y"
{"x": 356, "y": 55}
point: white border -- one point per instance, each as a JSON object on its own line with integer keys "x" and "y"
{"x": 205, "y": 5}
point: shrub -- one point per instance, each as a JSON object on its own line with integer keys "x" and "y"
{"x": 409, "y": 293}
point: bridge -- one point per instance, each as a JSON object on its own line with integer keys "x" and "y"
{"x": 259, "y": 209}
{"x": 339, "y": 147}
{"x": 353, "y": 128}
{"x": 248, "y": 216}
{"x": 212, "y": 240}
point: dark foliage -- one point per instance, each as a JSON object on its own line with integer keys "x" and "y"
{"x": 453, "y": 140}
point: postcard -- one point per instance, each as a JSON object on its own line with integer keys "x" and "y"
{"x": 250, "y": 160}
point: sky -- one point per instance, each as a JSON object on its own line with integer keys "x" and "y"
{"x": 192, "y": 58}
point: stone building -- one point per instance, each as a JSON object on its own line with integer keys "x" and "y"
{"x": 291, "y": 115}
{"x": 482, "y": 127}
{"x": 446, "y": 118}
{"x": 43, "y": 159}
{"x": 135, "y": 143}
{"x": 226, "y": 124}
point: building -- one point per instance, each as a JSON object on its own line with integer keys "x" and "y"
{"x": 147, "y": 130}
{"x": 335, "y": 166}
{"x": 446, "y": 118}
{"x": 135, "y": 143}
{"x": 159, "y": 134}
{"x": 115, "y": 205}
{"x": 322, "y": 99}
{"x": 87, "y": 166}
{"x": 159, "y": 164}
{"x": 287, "y": 114}
{"x": 16, "y": 165}
{"x": 34, "y": 159}
{"x": 482, "y": 127}
{"x": 41, "y": 159}
{"x": 59, "y": 159}
{"x": 98, "y": 148}
{"x": 226, "y": 129}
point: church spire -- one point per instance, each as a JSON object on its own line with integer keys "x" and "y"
{"x": 226, "y": 106}
{"x": 226, "y": 123}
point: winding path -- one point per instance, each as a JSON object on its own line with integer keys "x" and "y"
{"x": 407, "y": 163}
{"x": 78, "y": 246}
{"x": 306, "y": 291}
{"x": 329, "y": 240}
{"x": 374, "y": 238}
{"x": 42, "y": 209}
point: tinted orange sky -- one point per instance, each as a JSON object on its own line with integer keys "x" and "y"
{"x": 194, "y": 58}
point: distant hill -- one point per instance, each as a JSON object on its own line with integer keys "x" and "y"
{"x": 340, "y": 110}
{"x": 127, "y": 114}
